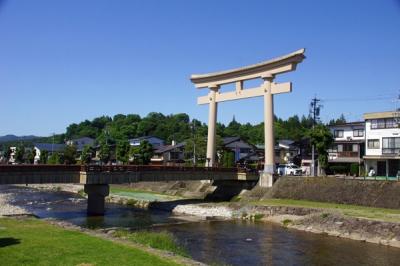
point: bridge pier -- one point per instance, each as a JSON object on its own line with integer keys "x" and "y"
{"x": 96, "y": 198}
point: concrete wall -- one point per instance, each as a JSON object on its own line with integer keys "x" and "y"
{"x": 384, "y": 194}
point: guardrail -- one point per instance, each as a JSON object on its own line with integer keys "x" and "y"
{"x": 111, "y": 168}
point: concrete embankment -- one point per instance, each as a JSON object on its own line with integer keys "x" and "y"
{"x": 382, "y": 194}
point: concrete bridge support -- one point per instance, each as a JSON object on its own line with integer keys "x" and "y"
{"x": 96, "y": 198}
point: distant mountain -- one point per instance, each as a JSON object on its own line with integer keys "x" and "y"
{"x": 8, "y": 138}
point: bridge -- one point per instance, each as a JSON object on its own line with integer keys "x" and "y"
{"x": 96, "y": 179}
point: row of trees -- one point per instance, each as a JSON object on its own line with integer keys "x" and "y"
{"x": 111, "y": 132}
{"x": 179, "y": 127}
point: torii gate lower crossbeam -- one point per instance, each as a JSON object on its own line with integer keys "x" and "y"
{"x": 266, "y": 70}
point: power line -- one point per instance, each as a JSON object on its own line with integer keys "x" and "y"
{"x": 358, "y": 99}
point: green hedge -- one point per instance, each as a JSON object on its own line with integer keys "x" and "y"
{"x": 354, "y": 169}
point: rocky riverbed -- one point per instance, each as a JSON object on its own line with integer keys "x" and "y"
{"x": 7, "y": 208}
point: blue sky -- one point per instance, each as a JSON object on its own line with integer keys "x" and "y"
{"x": 66, "y": 61}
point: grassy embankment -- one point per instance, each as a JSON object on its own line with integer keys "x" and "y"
{"x": 140, "y": 194}
{"x": 381, "y": 214}
{"x": 35, "y": 242}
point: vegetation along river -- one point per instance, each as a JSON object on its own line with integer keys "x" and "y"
{"x": 214, "y": 242}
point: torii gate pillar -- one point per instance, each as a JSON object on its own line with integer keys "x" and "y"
{"x": 266, "y": 70}
{"x": 266, "y": 178}
{"x": 212, "y": 123}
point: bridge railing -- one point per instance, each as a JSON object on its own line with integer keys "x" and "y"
{"x": 112, "y": 168}
{"x": 137, "y": 168}
{"x": 38, "y": 168}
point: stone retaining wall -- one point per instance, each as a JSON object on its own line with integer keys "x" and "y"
{"x": 383, "y": 194}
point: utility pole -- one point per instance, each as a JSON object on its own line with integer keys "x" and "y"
{"x": 397, "y": 110}
{"x": 52, "y": 145}
{"x": 194, "y": 142}
{"x": 315, "y": 108}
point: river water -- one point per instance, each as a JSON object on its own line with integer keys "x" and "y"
{"x": 215, "y": 242}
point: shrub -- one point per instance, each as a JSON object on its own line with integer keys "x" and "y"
{"x": 258, "y": 216}
{"x": 324, "y": 215}
{"x": 286, "y": 222}
{"x": 339, "y": 169}
{"x": 131, "y": 202}
{"x": 354, "y": 169}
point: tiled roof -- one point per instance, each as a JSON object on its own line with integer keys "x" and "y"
{"x": 228, "y": 140}
{"x": 170, "y": 147}
{"x": 49, "y": 146}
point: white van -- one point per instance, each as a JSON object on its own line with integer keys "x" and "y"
{"x": 289, "y": 169}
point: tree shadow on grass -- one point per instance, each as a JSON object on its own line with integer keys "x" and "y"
{"x": 8, "y": 241}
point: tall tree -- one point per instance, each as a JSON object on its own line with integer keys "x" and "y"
{"x": 122, "y": 152}
{"x": 104, "y": 152}
{"x": 70, "y": 154}
{"x": 7, "y": 154}
{"x": 19, "y": 154}
{"x": 322, "y": 138}
{"x": 31, "y": 156}
{"x": 86, "y": 155}
{"x": 44, "y": 155}
{"x": 143, "y": 153}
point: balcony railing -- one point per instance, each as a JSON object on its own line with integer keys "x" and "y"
{"x": 347, "y": 154}
{"x": 391, "y": 151}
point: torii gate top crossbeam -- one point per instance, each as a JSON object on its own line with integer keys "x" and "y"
{"x": 274, "y": 66}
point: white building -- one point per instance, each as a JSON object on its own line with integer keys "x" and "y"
{"x": 49, "y": 147}
{"x": 382, "y": 147}
{"x": 349, "y": 143}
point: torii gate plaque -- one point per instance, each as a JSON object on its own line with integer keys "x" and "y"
{"x": 266, "y": 70}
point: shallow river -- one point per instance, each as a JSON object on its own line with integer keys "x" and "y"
{"x": 216, "y": 242}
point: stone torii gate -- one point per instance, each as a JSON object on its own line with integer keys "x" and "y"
{"x": 267, "y": 71}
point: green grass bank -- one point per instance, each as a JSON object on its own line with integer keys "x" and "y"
{"x": 29, "y": 241}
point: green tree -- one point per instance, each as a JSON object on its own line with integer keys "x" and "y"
{"x": 142, "y": 154}
{"x": 340, "y": 120}
{"x": 122, "y": 151}
{"x": 104, "y": 152}
{"x": 31, "y": 156}
{"x": 70, "y": 154}
{"x": 86, "y": 155}
{"x": 228, "y": 159}
{"x": 19, "y": 154}
{"x": 55, "y": 158}
{"x": 322, "y": 138}
{"x": 44, "y": 155}
{"x": 7, "y": 154}
{"x": 196, "y": 146}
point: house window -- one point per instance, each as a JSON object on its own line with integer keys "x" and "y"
{"x": 374, "y": 123}
{"x": 340, "y": 147}
{"x": 355, "y": 147}
{"x": 391, "y": 145}
{"x": 383, "y": 123}
{"x": 358, "y": 133}
{"x": 390, "y": 123}
{"x": 373, "y": 144}
{"x": 338, "y": 133}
